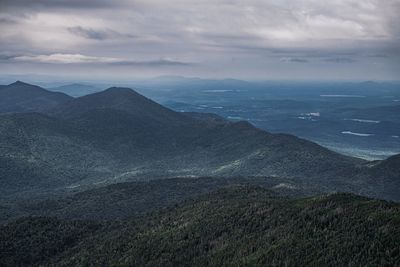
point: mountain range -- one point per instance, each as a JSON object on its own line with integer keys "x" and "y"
{"x": 75, "y": 89}
{"x": 115, "y": 179}
{"x": 55, "y": 143}
{"x": 22, "y": 97}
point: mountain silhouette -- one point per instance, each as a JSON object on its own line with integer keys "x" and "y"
{"x": 23, "y": 97}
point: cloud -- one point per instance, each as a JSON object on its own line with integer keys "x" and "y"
{"x": 8, "y": 56}
{"x": 154, "y": 63}
{"x": 259, "y": 34}
{"x": 65, "y": 59}
{"x": 90, "y": 33}
{"x": 83, "y": 59}
{"x": 46, "y": 4}
{"x": 296, "y": 60}
{"x": 7, "y": 20}
{"x": 340, "y": 60}
{"x": 381, "y": 55}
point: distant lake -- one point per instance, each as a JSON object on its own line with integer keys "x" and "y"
{"x": 342, "y": 96}
{"x": 361, "y": 120}
{"x": 357, "y": 134}
{"x": 217, "y": 91}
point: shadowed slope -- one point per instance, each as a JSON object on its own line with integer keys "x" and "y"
{"x": 23, "y": 97}
{"x": 245, "y": 226}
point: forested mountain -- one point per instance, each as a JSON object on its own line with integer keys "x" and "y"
{"x": 199, "y": 133}
{"x": 118, "y": 135}
{"x": 116, "y": 179}
{"x": 125, "y": 200}
{"x": 237, "y": 226}
{"x": 23, "y": 97}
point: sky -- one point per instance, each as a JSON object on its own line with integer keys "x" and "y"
{"x": 248, "y": 39}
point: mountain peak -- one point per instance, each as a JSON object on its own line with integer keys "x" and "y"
{"x": 25, "y": 97}
{"x": 119, "y": 99}
{"x": 19, "y": 83}
{"x": 119, "y": 90}
{"x": 116, "y": 93}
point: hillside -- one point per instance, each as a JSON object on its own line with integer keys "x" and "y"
{"x": 110, "y": 146}
{"x": 119, "y": 135}
{"x": 130, "y": 199}
{"x": 23, "y": 97}
{"x": 120, "y": 99}
{"x": 386, "y": 175}
{"x": 246, "y": 226}
{"x": 40, "y": 154}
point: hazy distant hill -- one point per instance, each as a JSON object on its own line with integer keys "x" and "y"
{"x": 23, "y": 97}
{"x": 389, "y": 113}
{"x": 316, "y": 111}
{"x": 238, "y": 226}
{"x": 75, "y": 89}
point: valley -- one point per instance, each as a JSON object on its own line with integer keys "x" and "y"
{"x": 199, "y": 133}
{"x": 114, "y": 178}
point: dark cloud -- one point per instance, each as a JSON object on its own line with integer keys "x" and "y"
{"x": 152, "y": 63}
{"x": 89, "y": 33}
{"x": 316, "y": 52}
{"x": 262, "y": 36}
{"x": 295, "y": 60}
{"x": 8, "y": 20}
{"x": 83, "y": 59}
{"x": 299, "y": 60}
{"x": 7, "y": 57}
{"x": 378, "y": 55}
{"x": 49, "y": 4}
{"x": 340, "y": 60}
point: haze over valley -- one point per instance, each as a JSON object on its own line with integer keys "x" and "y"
{"x": 209, "y": 133}
{"x": 317, "y": 111}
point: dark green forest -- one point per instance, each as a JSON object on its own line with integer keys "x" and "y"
{"x": 234, "y": 226}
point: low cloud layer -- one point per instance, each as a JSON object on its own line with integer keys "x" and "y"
{"x": 82, "y": 59}
{"x": 227, "y": 38}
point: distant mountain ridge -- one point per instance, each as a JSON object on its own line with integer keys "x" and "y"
{"x": 120, "y": 99}
{"x": 75, "y": 89}
{"x": 118, "y": 135}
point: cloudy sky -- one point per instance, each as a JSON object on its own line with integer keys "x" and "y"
{"x": 248, "y": 39}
